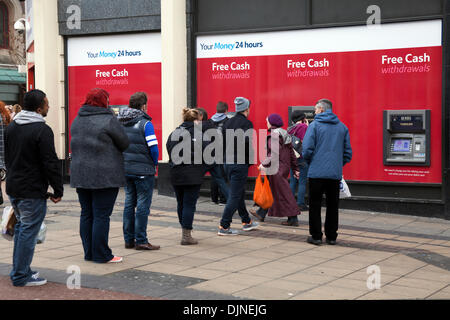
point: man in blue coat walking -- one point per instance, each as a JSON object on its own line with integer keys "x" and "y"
{"x": 326, "y": 148}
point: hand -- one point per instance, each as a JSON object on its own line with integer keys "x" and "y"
{"x": 297, "y": 175}
{"x": 55, "y": 200}
{"x": 261, "y": 168}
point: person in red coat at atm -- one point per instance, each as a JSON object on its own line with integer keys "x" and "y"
{"x": 284, "y": 204}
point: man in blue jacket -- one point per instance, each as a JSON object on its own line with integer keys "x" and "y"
{"x": 326, "y": 148}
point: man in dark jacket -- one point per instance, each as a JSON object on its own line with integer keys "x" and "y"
{"x": 219, "y": 187}
{"x": 299, "y": 130}
{"x": 32, "y": 166}
{"x": 238, "y": 158}
{"x": 141, "y": 159}
{"x": 326, "y": 148}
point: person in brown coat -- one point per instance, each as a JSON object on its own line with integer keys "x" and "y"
{"x": 284, "y": 204}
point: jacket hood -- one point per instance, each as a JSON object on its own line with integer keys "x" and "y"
{"x": 187, "y": 124}
{"x": 327, "y": 116}
{"x": 27, "y": 117}
{"x": 129, "y": 116}
{"x": 218, "y": 117}
{"x": 88, "y": 110}
{"x": 284, "y": 134}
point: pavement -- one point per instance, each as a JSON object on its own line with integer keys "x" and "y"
{"x": 378, "y": 256}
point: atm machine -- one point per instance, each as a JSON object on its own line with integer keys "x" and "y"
{"x": 406, "y": 137}
{"x": 308, "y": 110}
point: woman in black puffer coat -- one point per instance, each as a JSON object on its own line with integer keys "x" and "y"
{"x": 187, "y": 171}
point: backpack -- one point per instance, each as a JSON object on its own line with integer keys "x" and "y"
{"x": 218, "y": 125}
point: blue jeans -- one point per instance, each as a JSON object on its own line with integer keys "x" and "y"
{"x": 301, "y": 182}
{"x": 30, "y": 214}
{"x": 237, "y": 175}
{"x": 217, "y": 175}
{"x": 138, "y": 195}
{"x": 186, "y": 202}
{"x": 96, "y": 208}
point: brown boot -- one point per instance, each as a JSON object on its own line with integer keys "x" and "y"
{"x": 187, "y": 238}
{"x": 147, "y": 246}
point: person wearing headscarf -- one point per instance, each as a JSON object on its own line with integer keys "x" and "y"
{"x": 284, "y": 204}
{"x": 97, "y": 171}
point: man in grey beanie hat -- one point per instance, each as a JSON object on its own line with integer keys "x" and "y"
{"x": 236, "y": 167}
{"x": 242, "y": 104}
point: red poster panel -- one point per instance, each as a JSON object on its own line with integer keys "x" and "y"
{"x": 360, "y": 83}
{"x": 120, "y": 64}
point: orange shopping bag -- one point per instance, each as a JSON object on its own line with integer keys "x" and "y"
{"x": 262, "y": 194}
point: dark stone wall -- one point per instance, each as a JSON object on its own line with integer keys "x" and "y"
{"x": 257, "y": 15}
{"x": 111, "y": 16}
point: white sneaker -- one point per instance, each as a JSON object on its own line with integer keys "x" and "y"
{"x": 227, "y": 232}
{"x": 115, "y": 260}
{"x": 250, "y": 226}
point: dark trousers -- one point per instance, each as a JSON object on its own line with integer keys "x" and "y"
{"x": 216, "y": 195}
{"x": 237, "y": 175}
{"x": 96, "y": 208}
{"x": 186, "y": 202}
{"x": 218, "y": 183}
{"x": 317, "y": 187}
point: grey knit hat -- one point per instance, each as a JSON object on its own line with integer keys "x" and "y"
{"x": 242, "y": 104}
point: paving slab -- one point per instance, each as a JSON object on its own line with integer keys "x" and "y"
{"x": 273, "y": 262}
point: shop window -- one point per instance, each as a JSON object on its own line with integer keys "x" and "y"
{"x": 4, "y": 29}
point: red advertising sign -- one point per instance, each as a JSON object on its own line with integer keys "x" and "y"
{"x": 362, "y": 70}
{"x": 120, "y": 64}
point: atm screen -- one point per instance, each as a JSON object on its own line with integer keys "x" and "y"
{"x": 401, "y": 145}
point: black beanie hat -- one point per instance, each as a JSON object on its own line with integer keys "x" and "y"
{"x": 297, "y": 115}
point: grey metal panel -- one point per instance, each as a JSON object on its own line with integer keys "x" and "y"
{"x": 9, "y": 88}
{"x": 218, "y": 15}
{"x": 9, "y": 97}
{"x": 346, "y": 11}
{"x": 111, "y": 16}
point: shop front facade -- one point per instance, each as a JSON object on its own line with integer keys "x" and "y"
{"x": 383, "y": 64}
